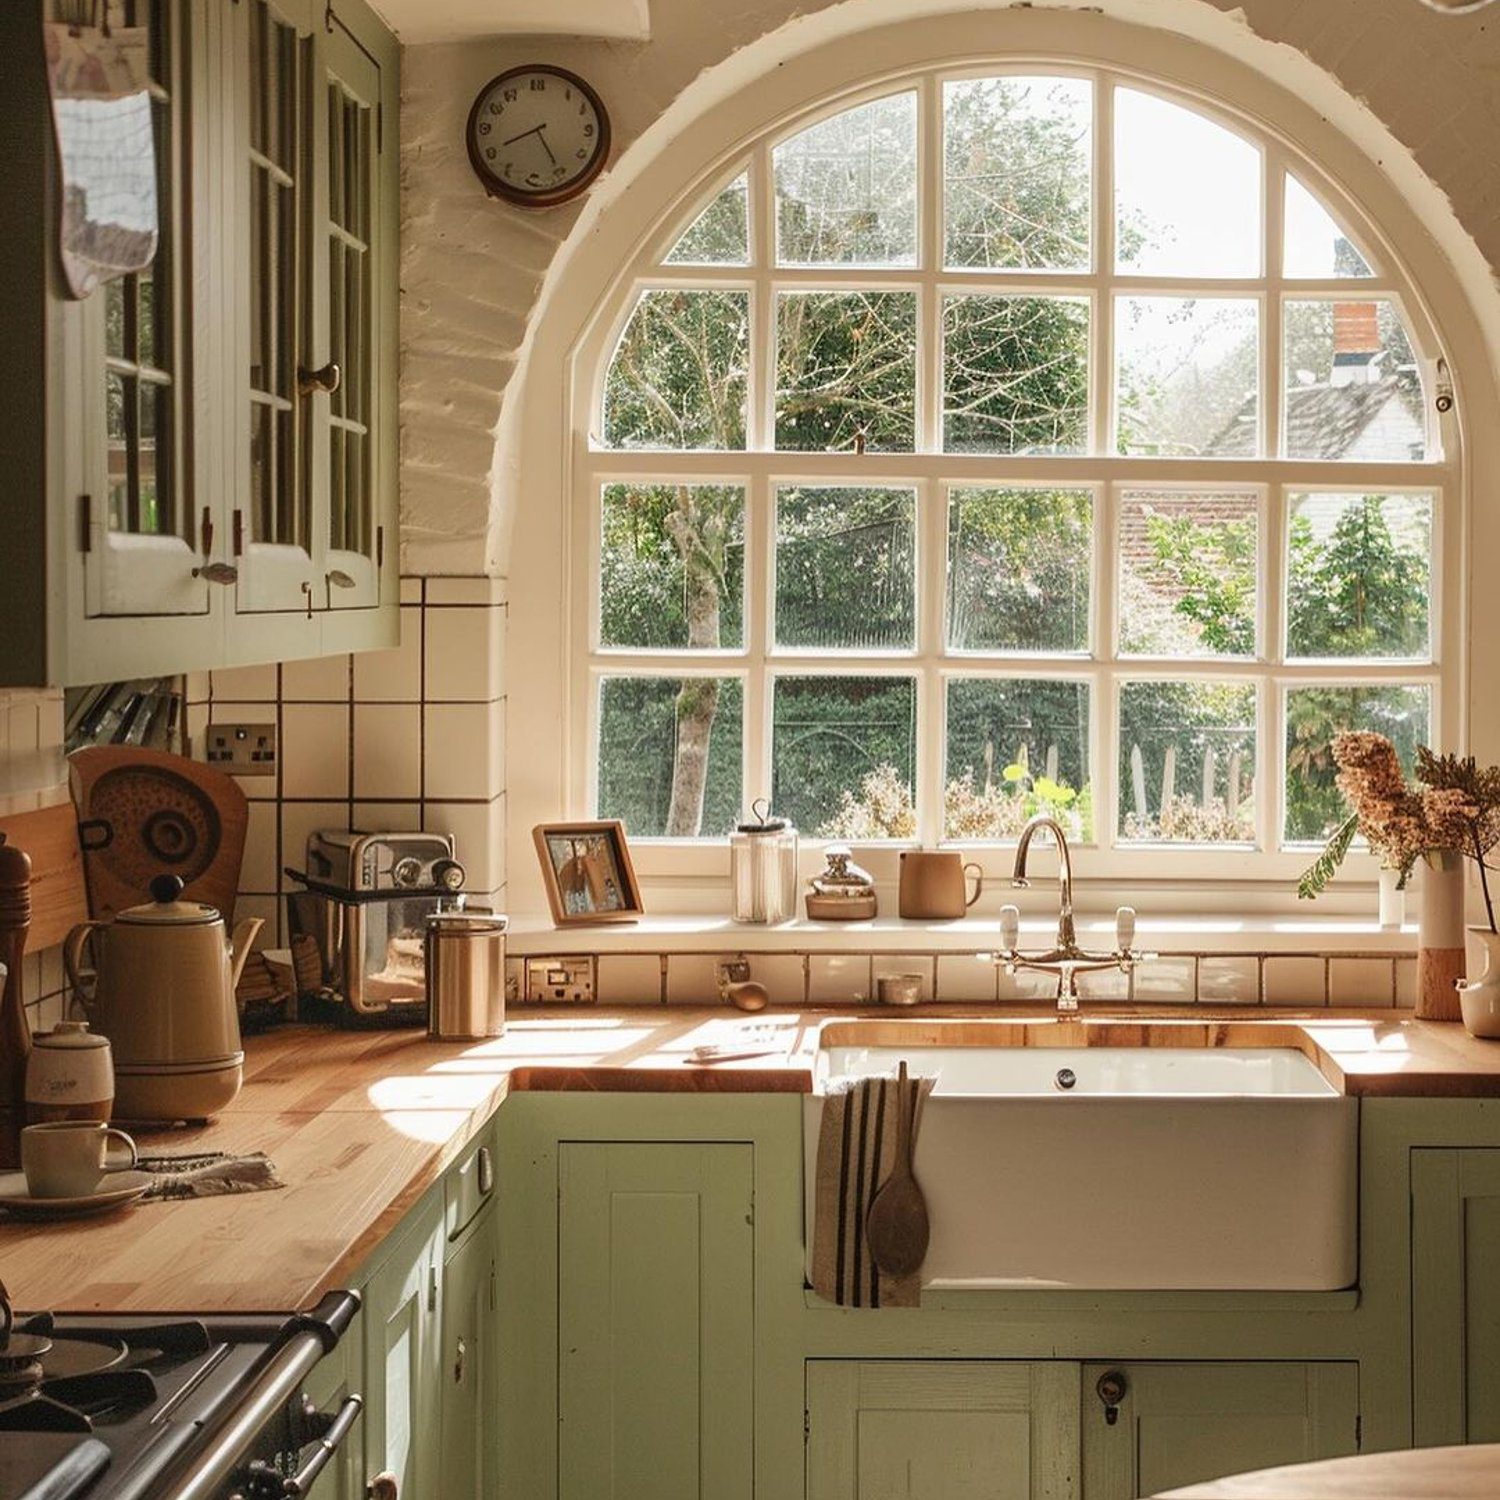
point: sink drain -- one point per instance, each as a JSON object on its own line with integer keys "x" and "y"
{"x": 1066, "y": 1078}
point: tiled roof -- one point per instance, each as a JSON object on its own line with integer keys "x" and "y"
{"x": 1324, "y": 421}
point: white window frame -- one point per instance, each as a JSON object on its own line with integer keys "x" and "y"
{"x": 930, "y": 471}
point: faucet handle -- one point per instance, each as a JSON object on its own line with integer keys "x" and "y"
{"x": 1010, "y": 927}
{"x": 1124, "y": 928}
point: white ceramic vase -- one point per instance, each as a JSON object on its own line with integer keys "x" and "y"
{"x": 1480, "y": 998}
{"x": 1440, "y": 937}
{"x": 1392, "y": 899}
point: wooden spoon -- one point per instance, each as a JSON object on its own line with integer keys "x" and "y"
{"x": 896, "y": 1227}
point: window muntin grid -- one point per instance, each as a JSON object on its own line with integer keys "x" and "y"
{"x": 1115, "y": 479}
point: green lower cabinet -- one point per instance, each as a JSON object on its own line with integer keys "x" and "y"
{"x": 403, "y": 1375}
{"x": 1455, "y": 1252}
{"x": 468, "y": 1467}
{"x": 1166, "y": 1425}
{"x": 942, "y": 1430}
{"x": 332, "y": 1381}
{"x": 656, "y": 1310}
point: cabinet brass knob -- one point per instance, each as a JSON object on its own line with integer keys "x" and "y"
{"x": 382, "y": 1487}
{"x": 326, "y": 379}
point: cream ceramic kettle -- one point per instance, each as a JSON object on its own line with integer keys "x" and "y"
{"x": 163, "y": 993}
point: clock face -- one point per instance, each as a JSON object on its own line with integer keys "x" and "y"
{"x": 537, "y": 136}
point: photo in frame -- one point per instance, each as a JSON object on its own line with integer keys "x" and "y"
{"x": 587, "y": 871}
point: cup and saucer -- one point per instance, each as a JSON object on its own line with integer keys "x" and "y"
{"x": 68, "y": 1171}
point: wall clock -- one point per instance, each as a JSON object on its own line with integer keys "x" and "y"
{"x": 537, "y": 136}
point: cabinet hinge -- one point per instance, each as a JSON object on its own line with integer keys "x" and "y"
{"x": 237, "y": 533}
{"x": 85, "y": 523}
{"x": 379, "y": 547}
{"x": 206, "y": 531}
{"x": 1359, "y": 1433}
{"x": 432, "y": 1288}
{"x": 806, "y": 1426}
{"x": 379, "y": 125}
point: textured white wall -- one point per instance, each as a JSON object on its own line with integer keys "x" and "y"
{"x": 1420, "y": 93}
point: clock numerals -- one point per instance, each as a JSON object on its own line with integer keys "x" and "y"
{"x": 541, "y": 153}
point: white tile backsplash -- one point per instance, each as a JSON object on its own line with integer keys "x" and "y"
{"x": 393, "y": 676}
{"x": 321, "y": 679}
{"x": 1167, "y": 980}
{"x": 920, "y": 964}
{"x": 968, "y": 977}
{"x": 443, "y": 591}
{"x": 692, "y": 979}
{"x": 629, "y": 979}
{"x": 783, "y": 974}
{"x": 1360, "y": 983}
{"x": 298, "y": 819}
{"x": 463, "y": 655}
{"x": 1228, "y": 979}
{"x": 838, "y": 978}
{"x": 248, "y": 684}
{"x": 1294, "y": 981}
{"x": 478, "y": 830}
{"x": 387, "y": 751}
{"x": 258, "y": 872}
{"x": 314, "y": 750}
{"x": 463, "y": 753}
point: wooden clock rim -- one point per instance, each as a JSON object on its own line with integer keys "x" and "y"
{"x": 550, "y": 198}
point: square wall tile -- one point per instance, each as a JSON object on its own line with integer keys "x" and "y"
{"x": 318, "y": 679}
{"x": 838, "y": 978}
{"x": 478, "y": 830}
{"x": 692, "y": 979}
{"x": 53, "y": 980}
{"x": 1105, "y": 984}
{"x": 258, "y": 871}
{"x": 444, "y": 591}
{"x": 195, "y": 687}
{"x": 268, "y": 909}
{"x": 411, "y": 588}
{"x": 1229, "y": 979}
{"x": 314, "y": 750}
{"x": 1360, "y": 983}
{"x": 247, "y": 684}
{"x": 629, "y": 979}
{"x": 387, "y": 751}
{"x": 462, "y": 655}
{"x": 901, "y": 963}
{"x": 966, "y": 977}
{"x": 464, "y": 750}
{"x": 388, "y": 817}
{"x": 783, "y": 974}
{"x": 1169, "y": 979}
{"x": 1024, "y": 985}
{"x": 1294, "y": 981}
{"x": 1406, "y": 983}
{"x": 298, "y": 819}
{"x": 393, "y": 676}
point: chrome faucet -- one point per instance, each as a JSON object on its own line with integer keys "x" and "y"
{"x": 1066, "y": 959}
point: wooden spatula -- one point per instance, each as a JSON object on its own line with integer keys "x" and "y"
{"x": 896, "y": 1227}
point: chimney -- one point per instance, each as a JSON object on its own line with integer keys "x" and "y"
{"x": 1356, "y": 343}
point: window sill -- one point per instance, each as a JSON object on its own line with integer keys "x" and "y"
{"x": 1195, "y": 933}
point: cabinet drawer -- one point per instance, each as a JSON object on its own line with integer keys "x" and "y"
{"x": 468, "y": 1185}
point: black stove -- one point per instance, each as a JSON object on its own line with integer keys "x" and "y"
{"x": 102, "y": 1407}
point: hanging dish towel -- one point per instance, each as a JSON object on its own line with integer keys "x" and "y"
{"x": 856, "y": 1149}
{"x": 207, "y": 1174}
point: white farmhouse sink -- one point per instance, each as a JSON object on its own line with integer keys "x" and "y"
{"x": 1160, "y": 1167}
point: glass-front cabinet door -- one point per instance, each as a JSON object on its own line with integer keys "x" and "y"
{"x": 351, "y": 306}
{"x": 144, "y": 541}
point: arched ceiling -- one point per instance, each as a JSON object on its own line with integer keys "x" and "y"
{"x": 460, "y": 20}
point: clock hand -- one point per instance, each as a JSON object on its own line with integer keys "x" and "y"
{"x": 535, "y": 129}
{"x": 545, "y": 147}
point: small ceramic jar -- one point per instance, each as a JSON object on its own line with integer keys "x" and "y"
{"x": 70, "y": 1075}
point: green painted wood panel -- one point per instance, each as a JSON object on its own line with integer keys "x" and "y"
{"x": 1455, "y": 1229}
{"x": 656, "y": 1314}
{"x": 467, "y": 1464}
{"x": 1180, "y": 1424}
{"x": 942, "y": 1430}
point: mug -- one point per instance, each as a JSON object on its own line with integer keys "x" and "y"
{"x": 68, "y": 1158}
{"x": 933, "y": 884}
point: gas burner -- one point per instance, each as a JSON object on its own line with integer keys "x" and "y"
{"x": 21, "y": 1363}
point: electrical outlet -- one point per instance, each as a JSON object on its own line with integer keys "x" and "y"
{"x": 568, "y": 978}
{"x": 241, "y": 749}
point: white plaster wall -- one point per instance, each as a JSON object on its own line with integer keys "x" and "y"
{"x": 473, "y": 270}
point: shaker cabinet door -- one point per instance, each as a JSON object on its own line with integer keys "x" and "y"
{"x": 467, "y": 1463}
{"x": 942, "y": 1430}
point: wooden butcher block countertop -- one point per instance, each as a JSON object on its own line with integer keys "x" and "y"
{"x": 359, "y": 1125}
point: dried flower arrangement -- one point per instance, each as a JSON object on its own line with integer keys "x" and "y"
{"x": 1454, "y": 805}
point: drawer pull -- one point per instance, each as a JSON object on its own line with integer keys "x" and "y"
{"x": 486, "y": 1172}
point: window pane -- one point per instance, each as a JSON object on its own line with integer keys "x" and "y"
{"x": 1352, "y": 385}
{"x": 1015, "y": 374}
{"x": 845, "y": 568}
{"x": 1018, "y": 569}
{"x": 1187, "y": 762}
{"x": 156, "y": 517}
{"x": 1187, "y": 573}
{"x": 1187, "y": 377}
{"x": 844, "y": 755}
{"x": 1359, "y": 575}
{"x": 1016, "y": 747}
{"x": 672, "y": 566}
{"x": 846, "y": 188}
{"x": 1314, "y": 804}
{"x": 720, "y": 235}
{"x": 846, "y": 369}
{"x": 1187, "y": 192}
{"x": 678, "y": 376}
{"x": 669, "y": 754}
{"x": 1314, "y": 243}
{"x": 1017, "y": 159}
{"x": 119, "y": 396}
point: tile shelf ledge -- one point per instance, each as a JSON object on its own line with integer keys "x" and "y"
{"x": 1193, "y": 933}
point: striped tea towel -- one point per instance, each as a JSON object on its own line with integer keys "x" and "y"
{"x": 206, "y": 1174}
{"x": 856, "y": 1148}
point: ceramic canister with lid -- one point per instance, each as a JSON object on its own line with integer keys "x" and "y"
{"x": 763, "y": 867}
{"x": 70, "y": 1075}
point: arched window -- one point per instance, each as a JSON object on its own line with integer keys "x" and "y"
{"x": 1011, "y": 440}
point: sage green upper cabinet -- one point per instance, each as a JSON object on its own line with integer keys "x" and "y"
{"x": 1455, "y": 1254}
{"x": 942, "y": 1430}
{"x": 655, "y": 1331}
{"x": 1168, "y": 1425}
{"x": 202, "y": 461}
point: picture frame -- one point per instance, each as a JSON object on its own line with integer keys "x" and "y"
{"x": 587, "y": 871}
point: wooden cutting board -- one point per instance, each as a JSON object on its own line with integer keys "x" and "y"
{"x": 49, "y": 838}
{"x": 144, "y": 813}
